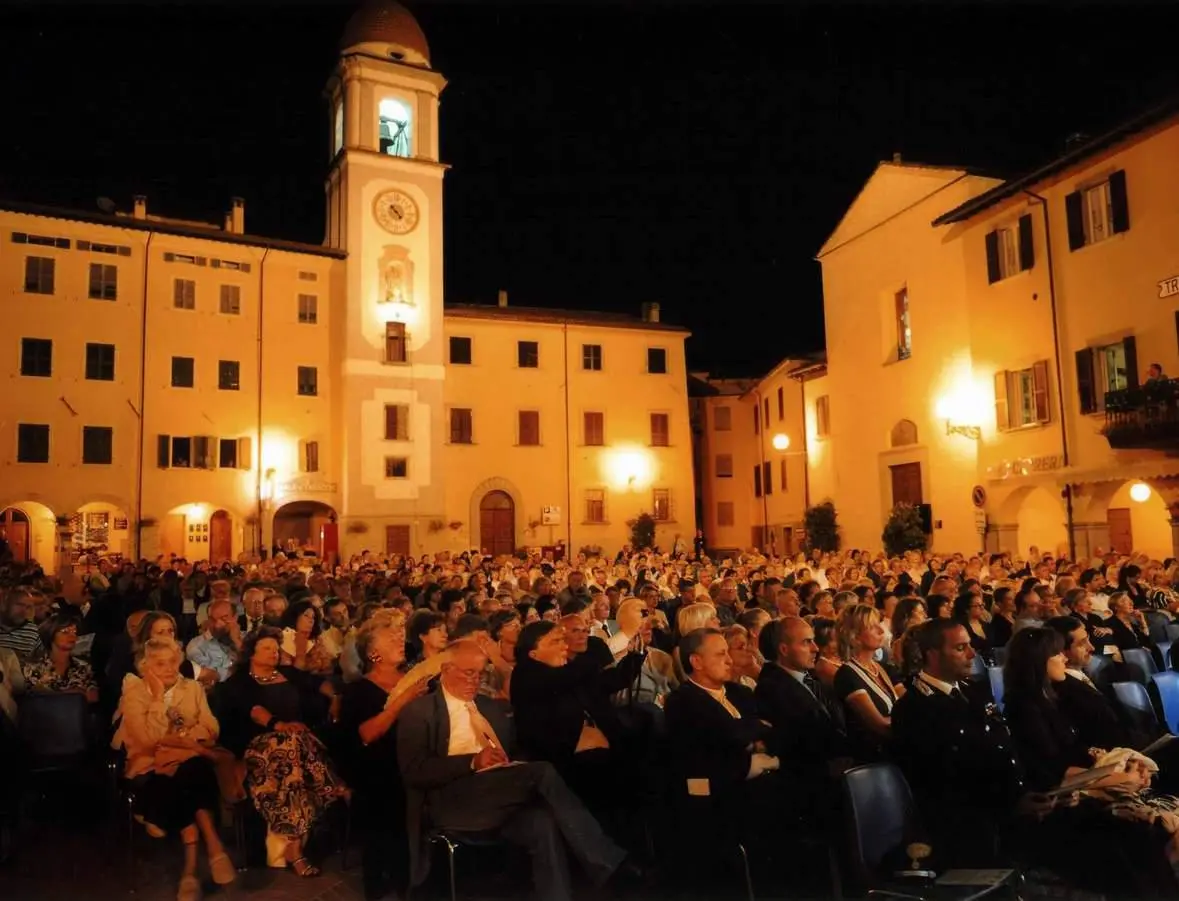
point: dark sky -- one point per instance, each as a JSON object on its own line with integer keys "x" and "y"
{"x": 603, "y": 155}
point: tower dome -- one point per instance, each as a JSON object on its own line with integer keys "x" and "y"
{"x": 387, "y": 29}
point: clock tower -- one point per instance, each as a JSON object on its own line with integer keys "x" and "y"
{"x": 384, "y": 208}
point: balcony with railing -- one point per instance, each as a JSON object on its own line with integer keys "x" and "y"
{"x": 1142, "y": 418}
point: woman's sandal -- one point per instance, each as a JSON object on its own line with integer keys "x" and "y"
{"x": 222, "y": 869}
{"x": 307, "y": 870}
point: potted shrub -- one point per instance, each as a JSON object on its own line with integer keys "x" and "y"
{"x": 822, "y": 530}
{"x": 903, "y": 531}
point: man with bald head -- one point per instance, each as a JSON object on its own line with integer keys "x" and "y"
{"x": 454, "y": 748}
{"x": 807, "y": 722}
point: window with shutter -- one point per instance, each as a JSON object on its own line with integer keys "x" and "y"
{"x": 100, "y": 362}
{"x": 229, "y": 375}
{"x": 660, "y": 430}
{"x": 722, "y": 417}
{"x": 1040, "y": 407}
{"x": 245, "y": 453}
{"x": 183, "y": 372}
{"x": 904, "y": 329}
{"x": 766, "y": 412}
{"x": 1074, "y": 214}
{"x": 767, "y": 478}
{"x": 1027, "y": 253}
{"x": 231, "y": 300}
{"x": 32, "y": 443}
{"x": 527, "y": 354}
{"x": 529, "y": 428}
{"x": 163, "y": 451}
{"x": 994, "y": 270}
{"x": 227, "y": 453}
{"x": 822, "y": 416}
{"x": 307, "y": 381}
{"x": 724, "y": 466}
{"x": 661, "y": 505}
{"x": 203, "y": 448}
{"x": 724, "y": 513}
{"x": 182, "y": 452}
{"x": 657, "y": 360}
{"x": 1002, "y": 408}
{"x": 595, "y": 505}
{"x": 36, "y": 357}
{"x": 1086, "y": 382}
{"x": 39, "y": 275}
{"x": 1130, "y": 360}
{"x": 781, "y": 404}
{"x": 396, "y": 422}
{"x": 591, "y": 357}
{"x": 756, "y": 420}
{"x": 460, "y": 351}
{"x": 1119, "y": 204}
{"x": 308, "y": 309}
{"x": 396, "y": 467}
{"x": 460, "y": 426}
{"x": 782, "y": 474}
{"x": 757, "y": 480}
{"x": 184, "y": 294}
{"x": 104, "y": 281}
{"x": 311, "y": 456}
{"x": 395, "y": 350}
{"x": 594, "y": 429}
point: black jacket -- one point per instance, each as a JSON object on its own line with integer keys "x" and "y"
{"x": 708, "y": 742}
{"x": 807, "y": 730}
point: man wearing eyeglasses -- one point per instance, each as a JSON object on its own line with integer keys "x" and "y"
{"x": 453, "y": 747}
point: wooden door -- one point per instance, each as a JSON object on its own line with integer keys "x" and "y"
{"x": 172, "y": 536}
{"x": 329, "y": 542}
{"x": 1121, "y": 535}
{"x": 14, "y": 529}
{"x": 220, "y": 538}
{"x": 397, "y": 541}
{"x": 906, "y": 484}
{"x": 497, "y": 524}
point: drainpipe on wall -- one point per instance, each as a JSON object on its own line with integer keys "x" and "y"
{"x": 761, "y": 462}
{"x": 258, "y": 477}
{"x": 1064, "y": 454}
{"x": 568, "y": 454}
{"x": 142, "y": 401}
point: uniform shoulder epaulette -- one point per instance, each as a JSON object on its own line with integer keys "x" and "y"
{"x": 924, "y": 688}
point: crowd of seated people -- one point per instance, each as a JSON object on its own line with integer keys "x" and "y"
{"x": 586, "y": 709}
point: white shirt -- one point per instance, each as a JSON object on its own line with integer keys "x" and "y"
{"x": 933, "y": 682}
{"x": 462, "y": 732}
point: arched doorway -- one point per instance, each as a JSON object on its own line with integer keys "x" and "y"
{"x": 306, "y": 528}
{"x": 497, "y": 524}
{"x": 220, "y": 537}
{"x": 14, "y": 535}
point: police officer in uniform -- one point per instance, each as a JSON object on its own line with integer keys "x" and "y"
{"x": 955, "y": 750}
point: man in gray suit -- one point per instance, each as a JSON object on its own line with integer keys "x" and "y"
{"x": 459, "y": 778}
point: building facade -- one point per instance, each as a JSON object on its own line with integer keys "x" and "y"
{"x": 989, "y": 354}
{"x": 187, "y": 388}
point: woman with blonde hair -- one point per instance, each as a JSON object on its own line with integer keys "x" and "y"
{"x": 168, "y": 732}
{"x": 741, "y": 650}
{"x": 865, "y": 687}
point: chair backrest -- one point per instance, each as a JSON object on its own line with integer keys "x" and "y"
{"x": 54, "y": 724}
{"x": 1000, "y": 655}
{"x": 1172, "y": 632}
{"x": 880, "y": 816}
{"x": 995, "y": 674}
{"x": 1156, "y": 623}
{"x": 1168, "y": 686}
{"x": 1164, "y": 652}
{"x": 1135, "y": 704}
{"x": 978, "y": 669}
{"x": 1142, "y": 658}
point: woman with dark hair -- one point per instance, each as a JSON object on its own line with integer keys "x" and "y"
{"x": 265, "y": 710}
{"x": 969, "y": 611}
{"x": 426, "y": 636}
{"x": 430, "y": 597}
{"x": 1130, "y": 582}
{"x": 368, "y": 724}
{"x": 1002, "y": 625}
{"x": 828, "y": 661}
{"x": 53, "y": 667}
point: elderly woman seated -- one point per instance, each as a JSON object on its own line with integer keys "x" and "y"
{"x": 168, "y": 732}
{"x": 288, "y": 773}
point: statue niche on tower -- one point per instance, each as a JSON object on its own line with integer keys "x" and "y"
{"x": 396, "y": 278}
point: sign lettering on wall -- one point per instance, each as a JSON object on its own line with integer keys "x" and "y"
{"x": 1169, "y": 287}
{"x": 550, "y": 516}
{"x": 307, "y": 486}
{"x": 1025, "y": 466}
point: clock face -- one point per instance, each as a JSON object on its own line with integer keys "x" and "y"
{"x": 396, "y": 212}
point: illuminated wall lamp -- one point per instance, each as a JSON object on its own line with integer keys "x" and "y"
{"x": 950, "y": 411}
{"x": 780, "y": 441}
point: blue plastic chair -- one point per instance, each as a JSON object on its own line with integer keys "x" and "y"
{"x": 1144, "y": 659}
{"x": 1156, "y": 623}
{"x": 978, "y": 669}
{"x": 995, "y": 674}
{"x": 1097, "y": 663}
{"x": 1135, "y": 703}
{"x": 1165, "y": 650}
{"x": 1168, "y": 686}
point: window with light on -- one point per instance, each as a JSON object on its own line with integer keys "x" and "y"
{"x": 394, "y": 128}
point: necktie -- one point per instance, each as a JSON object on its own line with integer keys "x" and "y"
{"x": 606, "y": 629}
{"x": 484, "y": 733}
{"x": 956, "y": 694}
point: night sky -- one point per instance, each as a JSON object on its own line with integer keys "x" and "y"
{"x": 603, "y": 155}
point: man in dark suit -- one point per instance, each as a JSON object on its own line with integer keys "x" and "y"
{"x": 459, "y": 778}
{"x": 1091, "y": 712}
{"x": 808, "y": 729}
{"x": 252, "y": 601}
{"x": 721, "y": 774}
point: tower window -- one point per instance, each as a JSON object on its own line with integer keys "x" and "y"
{"x": 338, "y": 127}
{"x": 394, "y": 127}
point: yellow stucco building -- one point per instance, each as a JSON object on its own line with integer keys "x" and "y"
{"x": 188, "y": 388}
{"x": 988, "y": 349}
